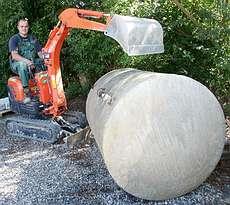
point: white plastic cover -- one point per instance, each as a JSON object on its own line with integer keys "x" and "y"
{"x": 137, "y": 36}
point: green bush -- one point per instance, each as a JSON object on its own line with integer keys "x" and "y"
{"x": 196, "y": 39}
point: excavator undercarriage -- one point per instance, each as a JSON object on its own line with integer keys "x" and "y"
{"x": 29, "y": 121}
{"x": 54, "y": 130}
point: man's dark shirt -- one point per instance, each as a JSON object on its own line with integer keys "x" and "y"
{"x": 16, "y": 39}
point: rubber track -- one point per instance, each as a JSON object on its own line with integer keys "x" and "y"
{"x": 42, "y": 130}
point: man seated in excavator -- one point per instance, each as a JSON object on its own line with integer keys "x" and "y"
{"x": 46, "y": 116}
{"x": 25, "y": 55}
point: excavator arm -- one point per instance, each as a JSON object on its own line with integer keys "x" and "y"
{"x": 69, "y": 18}
{"x": 137, "y": 36}
{"x": 77, "y": 18}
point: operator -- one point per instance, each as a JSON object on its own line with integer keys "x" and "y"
{"x": 25, "y": 54}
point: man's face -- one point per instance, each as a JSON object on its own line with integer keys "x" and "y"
{"x": 23, "y": 28}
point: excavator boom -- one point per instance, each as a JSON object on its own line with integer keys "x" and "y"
{"x": 77, "y": 18}
{"x": 137, "y": 36}
{"x": 69, "y": 19}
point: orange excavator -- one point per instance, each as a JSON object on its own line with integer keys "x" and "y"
{"x": 46, "y": 116}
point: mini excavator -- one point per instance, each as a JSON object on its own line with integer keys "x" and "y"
{"x": 46, "y": 117}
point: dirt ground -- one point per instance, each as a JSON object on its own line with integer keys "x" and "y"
{"x": 78, "y": 104}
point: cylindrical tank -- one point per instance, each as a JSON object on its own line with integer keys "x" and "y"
{"x": 161, "y": 135}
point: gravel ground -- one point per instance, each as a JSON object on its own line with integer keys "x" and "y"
{"x": 39, "y": 173}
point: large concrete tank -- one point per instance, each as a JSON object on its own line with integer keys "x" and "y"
{"x": 161, "y": 135}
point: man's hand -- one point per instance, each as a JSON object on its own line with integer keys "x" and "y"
{"x": 17, "y": 57}
{"x": 28, "y": 62}
{"x": 40, "y": 54}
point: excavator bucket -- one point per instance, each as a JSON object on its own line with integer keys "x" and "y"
{"x": 137, "y": 36}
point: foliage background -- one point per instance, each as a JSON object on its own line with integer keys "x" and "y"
{"x": 196, "y": 39}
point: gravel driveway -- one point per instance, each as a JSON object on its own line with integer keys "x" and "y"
{"x": 39, "y": 173}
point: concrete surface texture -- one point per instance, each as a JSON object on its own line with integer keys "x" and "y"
{"x": 161, "y": 135}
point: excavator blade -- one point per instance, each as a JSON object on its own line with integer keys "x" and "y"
{"x": 53, "y": 130}
{"x": 137, "y": 36}
{"x": 78, "y": 138}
